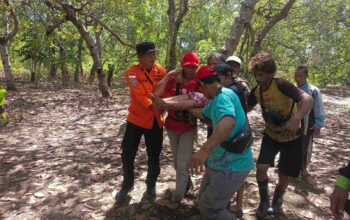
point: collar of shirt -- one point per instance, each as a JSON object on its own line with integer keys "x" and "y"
{"x": 219, "y": 91}
{"x": 144, "y": 69}
{"x": 305, "y": 86}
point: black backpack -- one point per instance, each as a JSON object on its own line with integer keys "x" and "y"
{"x": 238, "y": 88}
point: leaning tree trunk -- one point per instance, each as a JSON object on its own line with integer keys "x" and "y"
{"x": 174, "y": 25}
{"x": 244, "y": 18}
{"x": 6, "y": 63}
{"x": 71, "y": 15}
{"x": 269, "y": 25}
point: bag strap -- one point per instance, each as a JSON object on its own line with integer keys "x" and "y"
{"x": 263, "y": 109}
{"x": 149, "y": 79}
{"x": 239, "y": 133}
{"x": 177, "y": 91}
{"x": 262, "y": 102}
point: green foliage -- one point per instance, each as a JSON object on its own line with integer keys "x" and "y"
{"x": 314, "y": 33}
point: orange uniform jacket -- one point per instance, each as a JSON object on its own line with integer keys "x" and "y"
{"x": 141, "y": 111}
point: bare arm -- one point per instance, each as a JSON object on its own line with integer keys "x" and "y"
{"x": 197, "y": 112}
{"x": 174, "y": 103}
{"x": 221, "y": 133}
{"x": 305, "y": 106}
{"x": 181, "y": 102}
{"x": 160, "y": 87}
{"x": 177, "y": 99}
{"x": 251, "y": 100}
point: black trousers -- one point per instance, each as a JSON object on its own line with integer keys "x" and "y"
{"x": 130, "y": 144}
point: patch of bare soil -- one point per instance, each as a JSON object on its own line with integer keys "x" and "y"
{"x": 60, "y": 159}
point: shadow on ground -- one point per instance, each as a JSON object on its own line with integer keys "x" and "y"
{"x": 60, "y": 159}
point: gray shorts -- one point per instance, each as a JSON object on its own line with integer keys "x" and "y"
{"x": 217, "y": 189}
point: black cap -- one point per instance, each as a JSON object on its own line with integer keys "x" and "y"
{"x": 223, "y": 69}
{"x": 145, "y": 47}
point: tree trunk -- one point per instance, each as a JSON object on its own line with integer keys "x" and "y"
{"x": 4, "y": 40}
{"x": 98, "y": 34}
{"x": 174, "y": 25}
{"x": 79, "y": 65}
{"x": 53, "y": 71}
{"x": 92, "y": 73}
{"x": 33, "y": 78}
{"x": 81, "y": 70}
{"x": 245, "y": 16}
{"x": 53, "y": 67}
{"x": 90, "y": 43}
{"x": 63, "y": 64}
{"x": 111, "y": 69}
{"x": 269, "y": 25}
{"x": 6, "y": 63}
{"x": 172, "y": 52}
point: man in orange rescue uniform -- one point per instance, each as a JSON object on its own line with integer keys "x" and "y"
{"x": 143, "y": 119}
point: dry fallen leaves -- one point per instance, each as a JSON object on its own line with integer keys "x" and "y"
{"x": 64, "y": 145}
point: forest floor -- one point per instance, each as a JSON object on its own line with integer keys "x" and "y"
{"x": 60, "y": 159}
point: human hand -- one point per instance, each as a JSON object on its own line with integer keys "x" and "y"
{"x": 292, "y": 127}
{"x": 158, "y": 102}
{"x": 175, "y": 72}
{"x": 198, "y": 160}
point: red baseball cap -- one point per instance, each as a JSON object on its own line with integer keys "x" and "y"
{"x": 205, "y": 71}
{"x": 190, "y": 58}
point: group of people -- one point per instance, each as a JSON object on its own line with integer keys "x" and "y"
{"x": 216, "y": 95}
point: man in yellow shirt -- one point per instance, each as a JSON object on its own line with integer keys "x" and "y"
{"x": 278, "y": 99}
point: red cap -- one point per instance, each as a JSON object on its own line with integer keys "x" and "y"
{"x": 205, "y": 71}
{"x": 190, "y": 58}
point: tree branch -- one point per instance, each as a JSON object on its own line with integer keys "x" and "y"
{"x": 269, "y": 25}
{"x": 15, "y": 29}
{"x": 183, "y": 11}
{"x": 57, "y": 23}
{"x": 173, "y": 28}
{"x": 113, "y": 33}
{"x": 245, "y": 16}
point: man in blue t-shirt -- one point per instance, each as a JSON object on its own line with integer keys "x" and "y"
{"x": 225, "y": 171}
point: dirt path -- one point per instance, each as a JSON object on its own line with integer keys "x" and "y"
{"x": 60, "y": 159}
